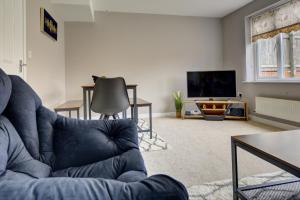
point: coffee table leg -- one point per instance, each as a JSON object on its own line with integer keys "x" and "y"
{"x": 234, "y": 170}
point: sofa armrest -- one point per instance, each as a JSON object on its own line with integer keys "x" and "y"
{"x": 79, "y": 142}
{"x": 3, "y": 148}
{"x": 159, "y": 187}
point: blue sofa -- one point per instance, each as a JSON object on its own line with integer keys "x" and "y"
{"x": 45, "y": 156}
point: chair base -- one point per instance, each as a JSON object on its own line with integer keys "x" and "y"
{"x": 106, "y": 117}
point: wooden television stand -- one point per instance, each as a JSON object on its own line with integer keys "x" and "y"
{"x": 216, "y": 110}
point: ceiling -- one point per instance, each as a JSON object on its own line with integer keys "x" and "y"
{"x": 202, "y": 8}
{"x": 75, "y": 10}
{"x": 83, "y": 10}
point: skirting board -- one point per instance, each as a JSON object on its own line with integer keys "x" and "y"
{"x": 274, "y": 123}
{"x": 142, "y": 115}
{"x": 168, "y": 114}
{"x": 256, "y": 118}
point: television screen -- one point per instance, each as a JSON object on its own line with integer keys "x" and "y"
{"x": 211, "y": 84}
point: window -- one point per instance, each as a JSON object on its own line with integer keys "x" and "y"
{"x": 296, "y": 53}
{"x": 274, "y": 42}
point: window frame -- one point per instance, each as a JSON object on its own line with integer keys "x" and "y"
{"x": 252, "y": 61}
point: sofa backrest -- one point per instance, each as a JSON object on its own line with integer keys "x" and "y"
{"x": 18, "y": 106}
{"x": 5, "y": 90}
{"x": 23, "y": 108}
{"x": 21, "y": 112}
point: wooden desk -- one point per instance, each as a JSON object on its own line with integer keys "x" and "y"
{"x": 87, "y": 99}
{"x": 69, "y": 106}
{"x": 143, "y": 103}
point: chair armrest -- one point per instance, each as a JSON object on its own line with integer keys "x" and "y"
{"x": 79, "y": 142}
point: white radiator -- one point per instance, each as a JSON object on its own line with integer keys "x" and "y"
{"x": 279, "y": 108}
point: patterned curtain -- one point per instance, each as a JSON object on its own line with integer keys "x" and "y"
{"x": 283, "y": 19}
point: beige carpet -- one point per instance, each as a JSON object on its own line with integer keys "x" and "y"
{"x": 200, "y": 150}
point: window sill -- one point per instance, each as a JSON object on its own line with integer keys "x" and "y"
{"x": 272, "y": 81}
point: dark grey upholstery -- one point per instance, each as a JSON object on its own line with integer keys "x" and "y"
{"x": 18, "y": 158}
{"x": 5, "y": 90}
{"x": 47, "y": 156}
{"x": 22, "y": 112}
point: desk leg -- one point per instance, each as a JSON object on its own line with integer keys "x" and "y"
{"x": 150, "y": 120}
{"x": 136, "y": 117}
{"x": 234, "y": 169}
{"x": 89, "y": 104}
{"x": 84, "y": 105}
{"x": 124, "y": 114}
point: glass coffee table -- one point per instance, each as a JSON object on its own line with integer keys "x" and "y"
{"x": 281, "y": 149}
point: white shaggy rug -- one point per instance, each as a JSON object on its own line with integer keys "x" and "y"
{"x": 147, "y": 144}
{"x": 222, "y": 190}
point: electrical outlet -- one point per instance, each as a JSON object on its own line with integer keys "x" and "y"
{"x": 240, "y": 95}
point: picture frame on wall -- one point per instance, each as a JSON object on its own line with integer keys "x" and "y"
{"x": 48, "y": 24}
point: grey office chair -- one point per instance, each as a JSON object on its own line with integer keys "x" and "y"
{"x": 110, "y": 97}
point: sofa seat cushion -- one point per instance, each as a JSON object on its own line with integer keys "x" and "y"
{"x": 112, "y": 168}
{"x": 18, "y": 158}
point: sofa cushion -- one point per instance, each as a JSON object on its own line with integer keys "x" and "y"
{"x": 5, "y": 90}
{"x": 18, "y": 158}
{"x": 14, "y": 176}
{"x": 45, "y": 122}
{"x": 132, "y": 176}
{"x": 78, "y": 142}
{"x": 153, "y": 188}
{"x": 112, "y": 168}
{"x": 21, "y": 112}
{"x": 3, "y": 149}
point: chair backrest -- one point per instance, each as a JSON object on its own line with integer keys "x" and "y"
{"x": 110, "y": 96}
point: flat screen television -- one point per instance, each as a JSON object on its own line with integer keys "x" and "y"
{"x": 211, "y": 84}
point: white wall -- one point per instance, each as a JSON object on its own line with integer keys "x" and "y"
{"x": 46, "y": 68}
{"x": 153, "y": 51}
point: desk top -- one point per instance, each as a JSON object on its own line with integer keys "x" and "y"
{"x": 282, "y": 147}
{"x": 91, "y": 86}
{"x": 139, "y": 102}
{"x": 74, "y": 104}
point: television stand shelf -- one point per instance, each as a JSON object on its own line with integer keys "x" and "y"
{"x": 217, "y": 110}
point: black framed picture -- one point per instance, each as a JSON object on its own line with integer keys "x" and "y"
{"x": 48, "y": 24}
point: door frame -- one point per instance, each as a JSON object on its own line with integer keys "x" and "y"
{"x": 24, "y": 40}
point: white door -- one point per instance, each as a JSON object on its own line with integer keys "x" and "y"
{"x": 12, "y": 37}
